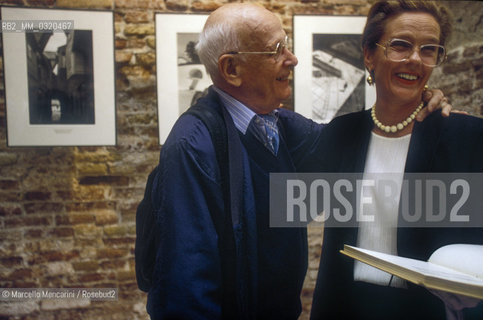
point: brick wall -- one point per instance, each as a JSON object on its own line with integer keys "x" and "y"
{"x": 67, "y": 213}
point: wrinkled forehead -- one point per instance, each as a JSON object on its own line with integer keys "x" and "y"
{"x": 261, "y": 30}
{"x": 407, "y": 25}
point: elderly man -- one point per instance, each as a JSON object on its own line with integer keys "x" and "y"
{"x": 244, "y": 49}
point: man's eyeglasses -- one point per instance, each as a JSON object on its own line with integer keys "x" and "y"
{"x": 280, "y": 46}
{"x": 398, "y": 50}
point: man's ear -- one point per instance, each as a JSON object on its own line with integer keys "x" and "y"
{"x": 229, "y": 69}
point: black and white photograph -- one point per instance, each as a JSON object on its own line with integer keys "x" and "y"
{"x": 337, "y": 76}
{"x": 181, "y": 78}
{"x": 329, "y": 80}
{"x": 193, "y": 79}
{"x": 59, "y": 84}
{"x": 60, "y": 81}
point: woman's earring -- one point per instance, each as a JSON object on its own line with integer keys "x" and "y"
{"x": 369, "y": 80}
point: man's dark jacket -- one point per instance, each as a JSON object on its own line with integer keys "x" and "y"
{"x": 271, "y": 262}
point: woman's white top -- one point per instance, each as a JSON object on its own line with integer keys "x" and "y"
{"x": 385, "y": 163}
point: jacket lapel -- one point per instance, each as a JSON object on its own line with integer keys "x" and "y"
{"x": 424, "y": 141}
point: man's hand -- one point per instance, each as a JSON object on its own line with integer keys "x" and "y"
{"x": 435, "y": 100}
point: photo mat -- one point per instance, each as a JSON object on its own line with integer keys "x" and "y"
{"x": 181, "y": 77}
{"x": 330, "y": 78}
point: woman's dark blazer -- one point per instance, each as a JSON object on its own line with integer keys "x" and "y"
{"x": 438, "y": 144}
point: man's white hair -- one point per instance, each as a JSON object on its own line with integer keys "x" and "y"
{"x": 215, "y": 40}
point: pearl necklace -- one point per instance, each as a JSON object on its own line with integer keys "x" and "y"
{"x": 398, "y": 126}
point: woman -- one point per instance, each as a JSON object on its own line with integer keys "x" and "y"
{"x": 402, "y": 41}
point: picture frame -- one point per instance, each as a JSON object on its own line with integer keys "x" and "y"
{"x": 330, "y": 78}
{"x": 59, "y": 77}
{"x": 181, "y": 78}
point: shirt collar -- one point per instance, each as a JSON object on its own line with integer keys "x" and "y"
{"x": 240, "y": 113}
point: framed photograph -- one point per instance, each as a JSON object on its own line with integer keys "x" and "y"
{"x": 330, "y": 78}
{"x": 181, "y": 78}
{"x": 59, "y": 77}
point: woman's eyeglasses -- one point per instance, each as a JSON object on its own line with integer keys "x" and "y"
{"x": 398, "y": 50}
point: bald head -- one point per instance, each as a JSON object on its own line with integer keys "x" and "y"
{"x": 239, "y": 10}
{"x": 233, "y": 27}
{"x": 240, "y": 15}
